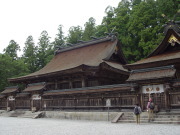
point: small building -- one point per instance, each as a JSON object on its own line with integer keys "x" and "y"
{"x": 158, "y": 75}
{"x": 7, "y": 98}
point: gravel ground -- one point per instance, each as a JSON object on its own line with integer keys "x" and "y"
{"x": 45, "y": 126}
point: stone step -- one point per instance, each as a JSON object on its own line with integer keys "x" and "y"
{"x": 152, "y": 122}
{"x": 157, "y": 116}
{"x": 166, "y": 122}
{"x": 131, "y": 121}
{"x": 27, "y": 114}
{"x": 167, "y": 116}
{"x": 157, "y": 119}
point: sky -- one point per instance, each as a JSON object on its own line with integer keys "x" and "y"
{"x": 22, "y": 18}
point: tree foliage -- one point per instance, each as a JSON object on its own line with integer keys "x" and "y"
{"x": 89, "y": 30}
{"x": 138, "y": 24}
{"x": 30, "y": 54}
{"x": 75, "y": 34}
{"x": 10, "y": 68}
{"x": 60, "y": 38}
{"x": 12, "y": 49}
{"x": 45, "y": 50}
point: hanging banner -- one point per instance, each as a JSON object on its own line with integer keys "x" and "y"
{"x": 153, "y": 88}
{"x": 36, "y": 97}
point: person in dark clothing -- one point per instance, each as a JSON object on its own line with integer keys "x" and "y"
{"x": 137, "y": 112}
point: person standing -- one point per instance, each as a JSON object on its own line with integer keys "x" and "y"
{"x": 150, "y": 109}
{"x": 137, "y": 112}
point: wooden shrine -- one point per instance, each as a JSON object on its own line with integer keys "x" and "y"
{"x": 89, "y": 74}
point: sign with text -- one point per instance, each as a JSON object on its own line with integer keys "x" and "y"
{"x": 153, "y": 88}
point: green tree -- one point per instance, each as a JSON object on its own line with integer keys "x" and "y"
{"x": 45, "y": 50}
{"x": 12, "y": 49}
{"x": 138, "y": 24}
{"x": 145, "y": 26}
{"x": 60, "y": 38}
{"x": 89, "y": 30}
{"x": 141, "y": 27}
{"x": 119, "y": 22}
{"x": 10, "y": 68}
{"x": 30, "y": 53}
{"x": 168, "y": 7}
{"x": 75, "y": 34}
{"x": 108, "y": 19}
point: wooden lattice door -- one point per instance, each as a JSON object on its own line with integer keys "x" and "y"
{"x": 157, "y": 98}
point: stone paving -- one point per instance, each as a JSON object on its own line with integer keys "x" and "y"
{"x": 46, "y": 126}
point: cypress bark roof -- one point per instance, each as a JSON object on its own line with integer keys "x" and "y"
{"x": 91, "y": 53}
{"x": 152, "y": 73}
{"x": 10, "y": 89}
{"x": 35, "y": 87}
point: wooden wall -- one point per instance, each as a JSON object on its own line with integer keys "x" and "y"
{"x": 90, "y": 101}
{"x": 23, "y": 103}
{"x": 3, "y": 103}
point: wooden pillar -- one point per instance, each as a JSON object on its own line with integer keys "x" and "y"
{"x": 166, "y": 94}
{"x": 56, "y": 85}
{"x": 58, "y": 104}
{"x": 14, "y": 104}
{"x": 31, "y": 103}
{"x": 70, "y": 83}
{"x": 142, "y": 101}
{"x": 40, "y": 103}
{"x": 83, "y": 82}
{"x": 166, "y": 100}
{"x": 7, "y": 100}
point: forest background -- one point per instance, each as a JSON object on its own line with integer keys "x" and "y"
{"x": 138, "y": 24}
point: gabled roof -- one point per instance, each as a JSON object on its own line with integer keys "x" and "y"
{"x": 162, "y": 55}
{"x": 91, "y": 53}
{"x": 10, "y": 89}
{"x": 35, "y": 87}
{"x": 171, "y": 35}
{"x": 152, "y": 73}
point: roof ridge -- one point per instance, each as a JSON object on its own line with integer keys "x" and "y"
{"x": 87, "y": 43}
{"x": 152, "y": 69}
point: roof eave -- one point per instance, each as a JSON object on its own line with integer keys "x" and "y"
{"x": 163, "y": 45}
